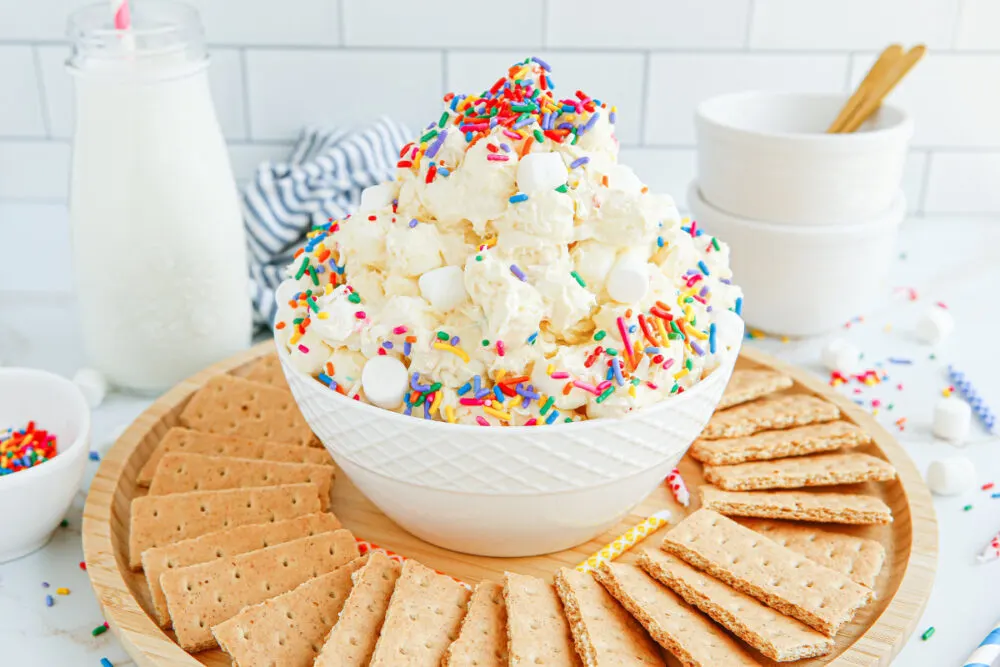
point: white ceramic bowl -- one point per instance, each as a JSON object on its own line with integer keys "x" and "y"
{"x": 804, "y": 280}
{"x": 36, "y": 499}
{"x": 517, "y": 491}
{"x": 765, "y": 156}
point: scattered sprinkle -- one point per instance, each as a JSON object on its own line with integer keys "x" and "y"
{"x": 928, "y": 633}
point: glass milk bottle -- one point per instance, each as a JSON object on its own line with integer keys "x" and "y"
{"x": 158, "y": 243}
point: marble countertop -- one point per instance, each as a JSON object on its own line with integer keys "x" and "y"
{"x": 955, "y": 262}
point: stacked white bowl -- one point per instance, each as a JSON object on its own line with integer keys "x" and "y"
{"x": 811, "y": 218}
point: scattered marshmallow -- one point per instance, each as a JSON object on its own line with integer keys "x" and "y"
{"x": 934, "y": 325}
{"x": 952, "y": 419}
{"x": 377, "y": 197}
{"x": 385, "y": 381}
{"x": 621, "y": 177}
{"x": 540, "y": 171}
{"x": 443, "y": 288}
{"x": 93, "y": 385}
{"x": 951, "y": 476}
{"x": 629, "y": 279}
{"x": 839, "y": 355}
{"x": 730, "y": 327}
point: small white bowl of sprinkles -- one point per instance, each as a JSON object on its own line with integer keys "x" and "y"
{"x": 44, "y": 441}
{"x": 511, "y": 344}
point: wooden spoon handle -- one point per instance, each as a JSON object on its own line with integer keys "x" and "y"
{"x": 882, "y": 64}
{"x": 883, "y": 87}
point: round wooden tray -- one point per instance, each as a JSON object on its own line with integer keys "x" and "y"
{"x": 875, "y": 635}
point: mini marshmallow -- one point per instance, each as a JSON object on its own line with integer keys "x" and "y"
{"x": 93, "y": 385}
{"x": 934, "y": 325}
{"x": 952, "y": 419}
{"x": 623, "y": 178}
{"x": 629, "y": 279}
{"x": 443, "y": 288}
{"x": 729, "y": 328}
{"x": 385, "y": 381}
{"x": 377, "y": 197}
{"x": 839, "y": 355}
{"x": 951, "y": 476}
{"x": 540, "y": 171}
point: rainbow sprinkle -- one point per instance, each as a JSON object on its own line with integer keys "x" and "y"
{"x": 25, "y": 448}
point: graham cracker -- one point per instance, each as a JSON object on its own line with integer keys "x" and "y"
{"x": 482, "y": 640}
{"x": 156, "y": 521}
{"x": 849, "y": 508}
{"x": 799, "y": 441}
{"x": 267, "y": 370}
{"x": 228, "y": 405}
{"x": 351, "y": 641}
{"x": 755, "y": 565}
{"x": 676, "y": 626}
{"x": 799, "y": 472}
{"x": 204, "y": 595}
{"x": 195, "y": 442}
{"x": 221, "y": 544}
{"x": 772, "y": 412}
{"x": 604, "y": 633}
{"x": 859, "y": 558}
{"x": 777, "y": 636}
{"x": 747, "y": 385}
{"x": 537, "y": 630}
{"x": 424, "y": 617}
{"x": 288, "y": 630}
{"x": 182, "y": 473}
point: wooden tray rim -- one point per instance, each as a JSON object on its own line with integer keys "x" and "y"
{"x": 149, "y": 646}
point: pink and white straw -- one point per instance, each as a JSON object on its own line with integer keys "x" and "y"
{"x": 123, "y": 19}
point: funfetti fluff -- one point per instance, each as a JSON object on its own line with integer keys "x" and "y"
{"x": 514, "y": 268}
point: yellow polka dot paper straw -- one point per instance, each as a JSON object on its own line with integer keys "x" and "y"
{"x": 621, "y": 544}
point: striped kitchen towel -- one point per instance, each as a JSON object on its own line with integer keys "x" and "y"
{"x": 322, "y": 179}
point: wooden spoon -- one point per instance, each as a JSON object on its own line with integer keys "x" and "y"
{"x": 884, "y": 63}
{"x": 883, "y": 87}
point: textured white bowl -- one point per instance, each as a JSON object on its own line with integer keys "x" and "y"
{"x": 766, "y": 156}
{"x": 517, "y": 491}
{"x": 804, "y": 280}
{"x": 36, "y": 499}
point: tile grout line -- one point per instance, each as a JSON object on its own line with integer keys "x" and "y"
{"x": 644, "y": 109}
{"x": 341, "y": 28}
{"x": 245, "y": 74}
{"x": 546, "y": 7}
{"x": 444, "y": 72}
{"x": 43, "y": 97}
{"x": 925, "y": 182}
{"x": 748, "y": 36}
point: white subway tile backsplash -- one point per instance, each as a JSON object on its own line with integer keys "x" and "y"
{"x": 41, "y": 20}
{"x": 963, "y": 183}
{"x": 679, "y": 82}
{"x": 952, "y": 97}
{"x": 57, "y": 89}
{"x": 40, "y": 235}
{"x": 434, "y": 23}
{"x": 21, "y": 108}
{"x": 271, "y": 22}
{"x": 289, "y": 89}
{"x": 664, "y": 170}
{"x": 246, "y": 157}
{"x": 845, "y": 25}
{"x": 914, "y": 176}
{"x": 34, "y": 170}
{"x": 978, "y": 25}
{"x": 614, "y": 78}
{"x": 653, "y": 24}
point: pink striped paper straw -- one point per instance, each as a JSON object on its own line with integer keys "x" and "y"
{"x": 123, "y": 22}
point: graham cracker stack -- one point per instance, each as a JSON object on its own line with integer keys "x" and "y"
{"x": 812, "y": 439}
{"x": 228, "y": 405}
{"x": 287, "y": 630}
{"x": 803, "y": 471}
{"x": 267, "y": 370}
{"x": 604, "y": 633}
{"x": 781, "y": 578}
{"x": 482, "y": 640}
{"x": 221, "y": 544}
{"x": 771, "y": 412}
{"x": 195, "y": 442}
{"x": 747, "y": 385}
{"x": 859, "y": 558}
{"x": 424, "y": 617}
{"x": 537, "y": 631}
{"x": 777, "y": 636}
{"x": 181, "y": 473}
{"x": 676, "y": 626}
{"x": 156, "y": 521}
{"x": 205, "y": 595}
{"x": 849, "y": 508}
{"x": 351, "y": 641}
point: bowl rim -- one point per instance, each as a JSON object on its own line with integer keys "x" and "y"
{"x": 885, "y": 220}
{"x": 63, "y": 457}
{"x": 729, "y": 359}
{"x": 903, "y": 122}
